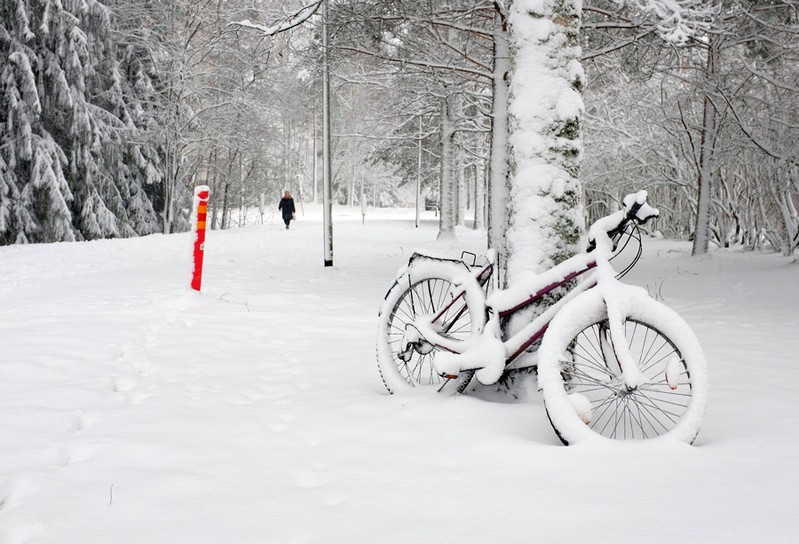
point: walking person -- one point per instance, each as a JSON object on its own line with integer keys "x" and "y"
{"x": 286, "y": 207}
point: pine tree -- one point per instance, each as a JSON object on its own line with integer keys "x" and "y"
{"x": 68, "y": 169}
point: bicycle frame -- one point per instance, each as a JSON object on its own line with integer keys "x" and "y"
{"x": 545, "y": 283}
{"x": 610, "y": 360}
{"x": 495, "y": 352}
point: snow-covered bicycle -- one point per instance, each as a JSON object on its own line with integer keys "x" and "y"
{"x": 611, "y": 361}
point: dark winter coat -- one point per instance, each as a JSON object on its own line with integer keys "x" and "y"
{"x": 287, "y": 207}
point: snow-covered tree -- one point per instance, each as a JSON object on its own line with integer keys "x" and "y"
{"x": 708, "y": 127}
{"x": 545, "y": 108}
{"x": 65, "y": 104}
{"x": 439, "y": 55}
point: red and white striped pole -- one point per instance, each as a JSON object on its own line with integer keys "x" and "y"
{"x": 198, "y": 219}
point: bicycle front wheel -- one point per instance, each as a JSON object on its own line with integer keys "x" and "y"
{"x": 584, "y": 392}
{"x": 424, "y": 293}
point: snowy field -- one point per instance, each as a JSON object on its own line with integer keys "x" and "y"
{"x": 133, "y": 410}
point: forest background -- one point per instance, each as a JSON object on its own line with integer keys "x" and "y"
{"x": 112, "y": 111}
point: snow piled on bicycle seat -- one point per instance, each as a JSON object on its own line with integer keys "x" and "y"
{"x": 133, "y": 410}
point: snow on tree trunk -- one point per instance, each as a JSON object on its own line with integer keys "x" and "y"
{"x": 779, "y": 188}
{"x": 545, "y": 106}
{"x": 446, "y": 219}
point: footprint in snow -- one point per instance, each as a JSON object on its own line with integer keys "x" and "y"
{"x": 80, "y": 421}
{"x": 76, "y": 453}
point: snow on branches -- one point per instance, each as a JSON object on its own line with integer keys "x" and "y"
{"x": 677, "y": 20}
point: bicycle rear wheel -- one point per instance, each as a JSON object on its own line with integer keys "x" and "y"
{"x": 424, "y": 293}
{"x": 584, "y": 393}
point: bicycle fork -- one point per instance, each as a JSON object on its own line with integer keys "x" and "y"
{"x": 616, "y": 351}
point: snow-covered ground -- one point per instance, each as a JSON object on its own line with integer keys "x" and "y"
{"x": 134, "y": 410}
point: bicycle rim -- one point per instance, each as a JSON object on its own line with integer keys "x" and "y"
{"x": 596, "y": 389}
{"x": 428, "y": 296}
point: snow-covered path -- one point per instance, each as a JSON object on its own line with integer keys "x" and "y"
{"x": 135, "y": 411}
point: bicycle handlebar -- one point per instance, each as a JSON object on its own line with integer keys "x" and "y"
{"x": 636, "y": 210}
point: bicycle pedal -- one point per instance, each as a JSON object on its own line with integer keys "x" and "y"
{"x": 450, "y": 376}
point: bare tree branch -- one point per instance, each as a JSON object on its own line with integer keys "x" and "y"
{"x": 294, "y": 20}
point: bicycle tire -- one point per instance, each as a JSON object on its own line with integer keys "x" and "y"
{"x": 421, "y": 292}
{"x": 585, "y": 399}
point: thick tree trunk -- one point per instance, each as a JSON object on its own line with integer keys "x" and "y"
{"x": 545, "y": 107}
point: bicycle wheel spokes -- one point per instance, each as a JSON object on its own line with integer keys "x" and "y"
{"x": 648, "y": 411}
{"x": 427, "y": 297}
{"x": 585, "y": 395}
